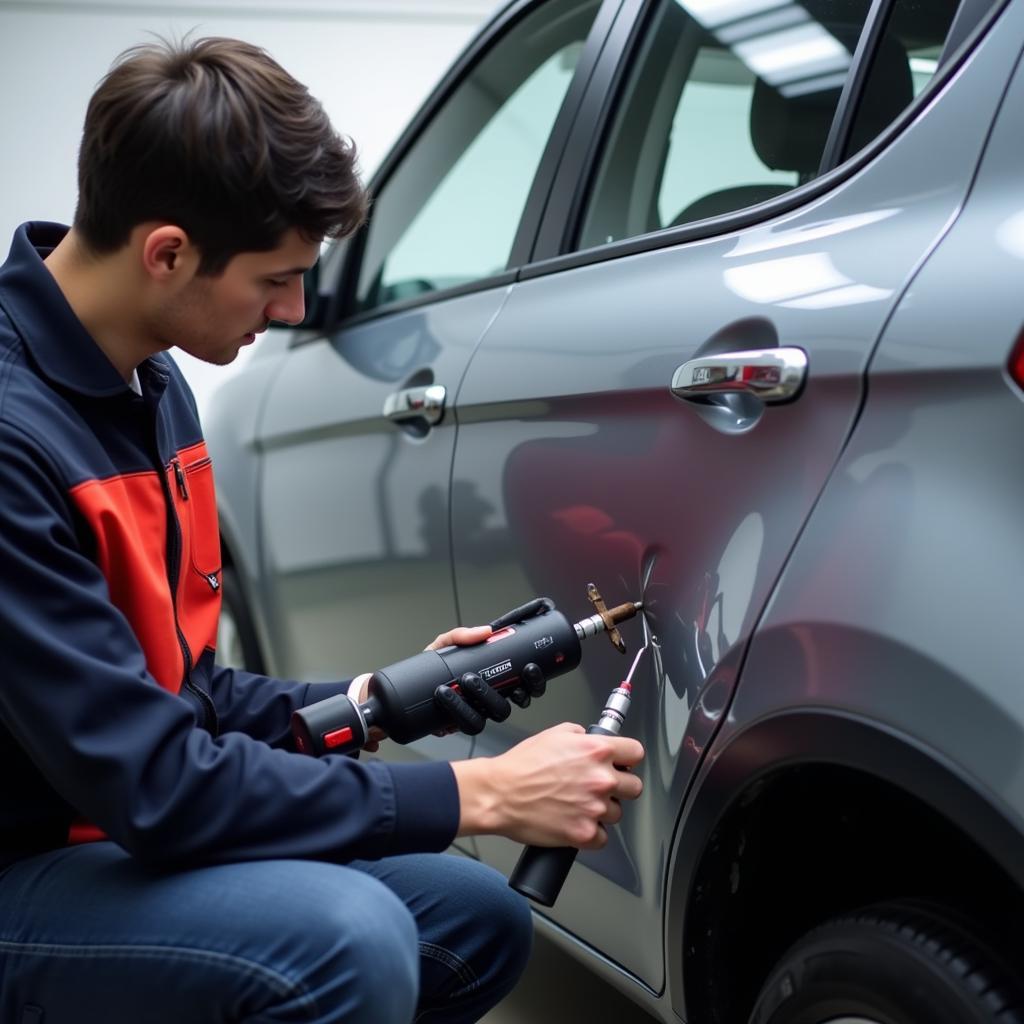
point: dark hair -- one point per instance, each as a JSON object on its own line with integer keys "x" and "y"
{"x": 215, "y": 137}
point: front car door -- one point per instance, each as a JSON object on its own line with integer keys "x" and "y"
{"x": 727, "y": 209}
{"x": 358, "y": 432}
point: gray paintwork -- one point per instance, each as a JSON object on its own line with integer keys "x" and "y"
{"x": 598, "y": 472}
{"x": 864, "y": 540}
{"x": 927, "y": 495}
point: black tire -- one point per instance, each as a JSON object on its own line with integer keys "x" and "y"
{"x": 237, "y": 646}
{"x": 889, "y": 964}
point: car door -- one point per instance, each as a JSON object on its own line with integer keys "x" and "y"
{"x": 593, "y": 448}
{"x": 357, "y": 433}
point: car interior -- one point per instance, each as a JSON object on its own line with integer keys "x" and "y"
{"x": 696, "y": 113}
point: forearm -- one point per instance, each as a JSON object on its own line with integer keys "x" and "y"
{"x": 480, "y": 805}
{"x": 262, "y": 706}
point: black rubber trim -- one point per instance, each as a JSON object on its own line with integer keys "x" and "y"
{"x": 557, "y": 232}
{"x": 968, "y": 16}
{"x": 555, "y": 151}
{"x": 427, "y": 298}
{"x": 936, "y": 951}
{"x": 714, "y": 227}
{"x": 823, "y": 736}
{"x": 448, "y": 84}
{"x": 853, "y": 89}
{"x": 464, "y": 64}
{"x": 533, "y": 210}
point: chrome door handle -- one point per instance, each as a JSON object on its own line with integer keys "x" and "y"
{"x": 773, "y": 374}
{"x": 426, "y": 403}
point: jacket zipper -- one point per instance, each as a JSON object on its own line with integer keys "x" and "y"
{"x": 179, "y": 475}
{"x": 174, "y": 563}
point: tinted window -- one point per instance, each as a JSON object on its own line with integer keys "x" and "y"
{"x": 449, "y": 214}
{"x": 902, "y": 65}
{"x": 729, "y": 103}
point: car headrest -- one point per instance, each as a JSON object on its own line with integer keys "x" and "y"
{"x": 789, "y": 132}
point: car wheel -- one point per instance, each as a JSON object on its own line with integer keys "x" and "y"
{"x": 888, "y": 965}
{"x": 237, "y": 646}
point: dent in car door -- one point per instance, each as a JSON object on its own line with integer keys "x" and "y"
{"x": 589, "y": 468}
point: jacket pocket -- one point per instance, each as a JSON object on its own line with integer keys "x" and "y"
{"x": 199, "y": 596}
{"x": 202, "y": 511}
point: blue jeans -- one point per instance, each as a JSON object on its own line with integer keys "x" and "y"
{"x": 90, "y": 936}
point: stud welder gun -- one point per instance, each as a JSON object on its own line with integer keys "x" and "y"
{"x": 423, "y": 694}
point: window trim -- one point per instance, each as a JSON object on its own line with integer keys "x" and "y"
{"x": 506, "y": 277}
{"x": 586, "y": 141}
{"x": 969, "y": 15}
{"x": 856, "y": 82}
{"x": 342, "y": 306}
{"x": 630, "y": 37}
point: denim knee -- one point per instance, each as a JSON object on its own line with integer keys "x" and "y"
{"x": 367, "y": 968}
{"x": 507, "y": 948}
{"x": 475, "y": 933}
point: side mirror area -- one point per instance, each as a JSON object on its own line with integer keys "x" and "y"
{"x": 322, "y": 287}
{"x": 316, "y": 303}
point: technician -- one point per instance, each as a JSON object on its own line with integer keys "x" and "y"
{"x": 165, "y": 854}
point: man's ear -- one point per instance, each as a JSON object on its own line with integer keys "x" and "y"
{"x": 167, "y": 253}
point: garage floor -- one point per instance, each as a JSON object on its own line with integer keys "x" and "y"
{"x": 556, "y": 989}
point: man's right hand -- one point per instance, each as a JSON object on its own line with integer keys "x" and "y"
{"x": 469, "y": 705}
{"x": 557, "y": 788}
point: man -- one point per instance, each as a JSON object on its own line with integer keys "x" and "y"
{"x": 165, "y": 854}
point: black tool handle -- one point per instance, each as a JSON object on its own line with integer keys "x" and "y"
{"x": 401, "y": 696}
{"x": 542, "y": 870}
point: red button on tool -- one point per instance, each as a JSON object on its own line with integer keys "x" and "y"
{"x": 338, "y": 737}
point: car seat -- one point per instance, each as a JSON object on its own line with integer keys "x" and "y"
{"x": 789, "y": 133}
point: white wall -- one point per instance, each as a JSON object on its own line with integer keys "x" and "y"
{"x": 371, "y": 63}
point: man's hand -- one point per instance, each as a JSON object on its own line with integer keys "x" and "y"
{"x": 475, "y": 702}
{"x": 558, "y": 788}
{"x": 461, "y": 636}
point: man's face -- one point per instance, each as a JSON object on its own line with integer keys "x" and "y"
{"x": 211, "y": 318}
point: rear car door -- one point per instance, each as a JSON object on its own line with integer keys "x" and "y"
{"x": 357, "y": 433}
{"x": 765, "y": 179}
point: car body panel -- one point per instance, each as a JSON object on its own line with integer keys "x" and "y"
{"x": 928, "y": 489}
{"x": 355, "y": 507}
{"x": 830, "y": 581}
{"x": 591, "y": 470}
{"x": 740, "y": 763}
{"x": 890, "y": 621}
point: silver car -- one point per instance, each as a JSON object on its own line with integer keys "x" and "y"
{"x": 718, "y": 304}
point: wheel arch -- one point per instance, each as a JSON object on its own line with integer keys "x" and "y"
{"x": 807, "y": 813}
{"x": 235, "y": 561}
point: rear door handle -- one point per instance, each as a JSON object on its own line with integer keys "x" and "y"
{"x": 422, "y": 403}
{"x": 773, "y": 375}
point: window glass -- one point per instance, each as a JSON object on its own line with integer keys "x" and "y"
{"x": 719, "y": 91}
{"x": 902, "y": 65}
{"x": 449, "y": 213}
{"x": 729, "y": 103}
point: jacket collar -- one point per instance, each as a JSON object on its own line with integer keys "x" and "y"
{"x": 58, "y": 342}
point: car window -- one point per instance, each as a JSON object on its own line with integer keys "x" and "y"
{"x": 449, "y": 213}
{"x": 729, "y": 103}
{"x": 902, "y": 65}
